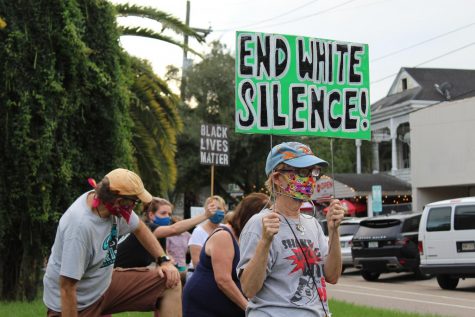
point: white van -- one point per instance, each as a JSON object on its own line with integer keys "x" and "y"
{"x": 447, "y": 240}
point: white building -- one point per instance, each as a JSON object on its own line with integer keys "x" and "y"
{"x": 412, "y": 90}
{"x": 443, "y": 151}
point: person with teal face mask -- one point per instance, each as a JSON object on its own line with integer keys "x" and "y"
{"x": 214, "y": 290}
{"x": 157, "y": 216}
{"x": 217, "y": 205}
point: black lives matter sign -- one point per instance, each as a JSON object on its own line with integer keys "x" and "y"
{"x": 214, "y": 146}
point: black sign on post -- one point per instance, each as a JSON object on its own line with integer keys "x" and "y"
{"x": 214, "y": 146}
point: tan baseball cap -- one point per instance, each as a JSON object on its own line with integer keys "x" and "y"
{"x": 127, "y": 183}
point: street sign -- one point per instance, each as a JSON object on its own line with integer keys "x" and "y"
{"x": 296, "y": 85}
{"x": 214, "y": 146}
{"x": 377, "y": 199}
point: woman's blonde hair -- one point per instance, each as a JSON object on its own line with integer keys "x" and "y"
{"x": 220, "y": 201}
{"x": 270, "y": 185}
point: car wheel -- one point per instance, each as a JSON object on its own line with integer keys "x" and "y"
{"x": 447, "y": 282}
{"x": 422, "y": 276}
{"x": 370, "y": 276}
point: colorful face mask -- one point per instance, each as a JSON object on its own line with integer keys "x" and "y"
{"x": 162, "y": 221}
{"x": 117, "y": 210}
{"x": 217, "y": 217}
{"x": 299, "y": 187}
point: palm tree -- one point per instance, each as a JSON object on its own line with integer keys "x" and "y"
{"x": 153, "y": 108}
{"x": 153, "y": 105}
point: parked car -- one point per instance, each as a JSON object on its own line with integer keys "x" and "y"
{"x": 387, "y": 244}
{"x": 447, "y": 240}
{"x": 348, "y": 228}
{"x": 323, "y": 224}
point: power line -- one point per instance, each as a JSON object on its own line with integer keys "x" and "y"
{"x": 427, "y": 61}
{"x": 423, "y": 42}
{"x": 448, "y": 53}
{"x": 269, "y": 19}
{"x": 297, "y": 19}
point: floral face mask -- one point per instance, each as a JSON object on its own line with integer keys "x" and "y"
{"x": 299, "y": 187}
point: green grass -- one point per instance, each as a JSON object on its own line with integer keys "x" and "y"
{"x": 339, "y": 309}
{"x": 345, "y": 309}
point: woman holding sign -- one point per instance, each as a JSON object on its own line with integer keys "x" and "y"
{"x": 285, "y": 258}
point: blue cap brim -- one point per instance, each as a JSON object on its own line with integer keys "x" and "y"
{"x": 306, "y": 161}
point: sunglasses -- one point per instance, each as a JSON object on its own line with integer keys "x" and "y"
{"x": 131, "y": 200}
{"x": 303, "y": 172}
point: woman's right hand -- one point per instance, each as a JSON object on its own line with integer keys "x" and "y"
{"x": 270, "y": 226}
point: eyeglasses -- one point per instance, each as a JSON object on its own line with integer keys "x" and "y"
{"x": 303, "y": 172}
{"x": 132, "y": 201}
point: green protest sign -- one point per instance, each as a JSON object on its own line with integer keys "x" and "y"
{"x": 295, "y": 85}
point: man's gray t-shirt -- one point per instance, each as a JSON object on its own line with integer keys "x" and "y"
{"x": 84, "y": 249}
{"x": 288, "y": 289}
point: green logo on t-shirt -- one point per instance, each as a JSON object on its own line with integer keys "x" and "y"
{"x": 110, "y": 245}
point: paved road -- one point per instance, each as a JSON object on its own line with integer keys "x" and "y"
{"x": 404, "y": 292}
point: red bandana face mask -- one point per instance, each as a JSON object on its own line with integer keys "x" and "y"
{"x": 121, "y": 211}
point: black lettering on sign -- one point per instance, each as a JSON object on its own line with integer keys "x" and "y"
{"x": 281, "y": 49}
{"x": 296, "y": 93}
{"x": 364, "y": 109}
{"x": 334, "y": 120}
{"x": 244, "y": 69}
{"x": 355, "y": 61}
{"x": 342, "y": 51}
{"x": 321, "y": 62}
{"x": 280, "y": 120}
{"x": 262, "y": 104}
{"x": 304, "y": 60}
{"x": 246, "y": 96}
{"x": 263, "y": 57}
{"x": 329, "y": 64}
{"x": 350, "y": 103}
{"x": 317, "y": 108}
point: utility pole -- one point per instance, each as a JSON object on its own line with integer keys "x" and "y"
{"x": 187, "y": 62}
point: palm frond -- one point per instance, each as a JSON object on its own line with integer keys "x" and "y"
{"x": 156, "y": 126}
{"x": 145, "y": 32}
{"x": 167, "y": 20}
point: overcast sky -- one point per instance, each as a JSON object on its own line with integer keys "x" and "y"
{"x": 400, "y": 33}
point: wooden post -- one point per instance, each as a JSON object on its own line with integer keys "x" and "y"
{"x": 212, "y": 180}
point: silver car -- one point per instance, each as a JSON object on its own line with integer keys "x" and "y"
{"x": 348, "y": 228}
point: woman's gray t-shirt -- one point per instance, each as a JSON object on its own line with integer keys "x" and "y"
{"x": 288, "y": 286}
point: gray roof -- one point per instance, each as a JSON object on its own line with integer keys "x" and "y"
{"x": 461, "y": 85}
{"x": 365, "y": 182}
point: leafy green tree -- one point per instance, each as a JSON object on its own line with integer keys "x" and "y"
{"x": 63, "y": 117}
